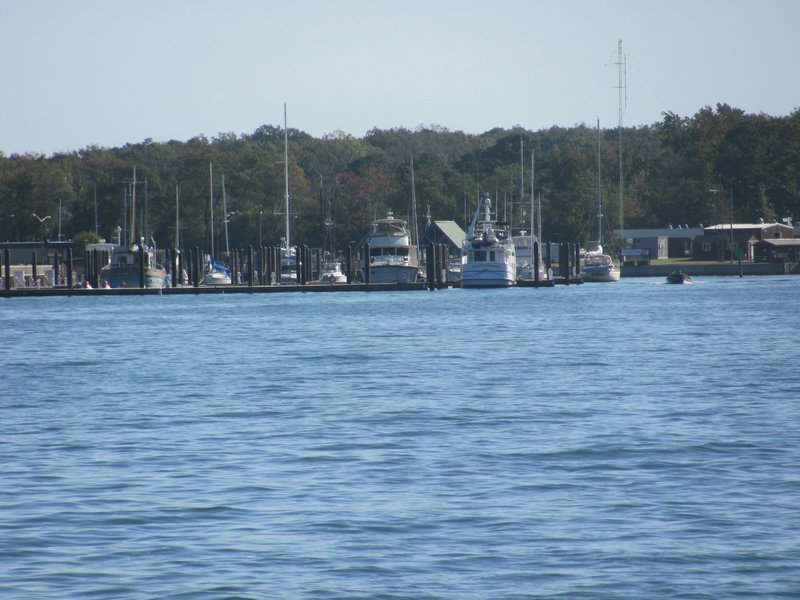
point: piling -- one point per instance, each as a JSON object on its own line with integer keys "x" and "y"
{"x": 174, "y": 266}
{"x": 365, "y": 263}
{"x": 563, "y": 261}
{"x": 69, "y": 268}
{"x": 141, "y": 265}
{"x": 56, "y": 270}
{"x": 535, "y": 265}
{"x": 95, "y": 268}
{"x": 7, "y": 272}
{"x": 348, "y": 267}
{"x": 33, "y": 269}
{"x": 430, "y": 267}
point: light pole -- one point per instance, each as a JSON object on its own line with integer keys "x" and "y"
{"x": 41, "y": 222}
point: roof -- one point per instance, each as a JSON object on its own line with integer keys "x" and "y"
{"x": 782, "y": 242}
{"x": 746, "y": 226}
{"x": 444, "y": 231}
{"x": 668, "y": 232}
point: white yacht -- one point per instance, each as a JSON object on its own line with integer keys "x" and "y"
{"x": 489, "y": 254}
{"x": 392, "y": 257}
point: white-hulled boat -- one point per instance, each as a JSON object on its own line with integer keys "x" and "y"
{"x": 331, "y": 271}
{"x": 598, "y": 266}
{"x": 525, "y": 259}
{"x": 489, "y": 254}
{"x": 392, "y": 258}
{"x": 215, "y": 274}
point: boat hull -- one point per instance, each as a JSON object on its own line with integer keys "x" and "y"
{"x": 216, "y": 278}
{"x": 486, "y": 275}
{"x": 117, "y": 277}
{"x": 393, "y": 274}
{"x": 599, "y": 276}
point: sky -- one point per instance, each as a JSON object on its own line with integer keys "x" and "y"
{"x": 80, "y": 73}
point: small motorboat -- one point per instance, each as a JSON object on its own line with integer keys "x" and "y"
{"x": 678, "y": 277}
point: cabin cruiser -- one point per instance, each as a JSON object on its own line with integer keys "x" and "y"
{"x": 392, "y": 256}
{"x": 489, "y": 252}
{"x": 598, "y": 266}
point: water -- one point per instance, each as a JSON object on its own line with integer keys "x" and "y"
{"x": 630, "y": 440}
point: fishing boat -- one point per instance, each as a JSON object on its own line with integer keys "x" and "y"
{"x": 331, "y": 271}
{"x": 490, "y": 258}
{"x": 598, "y": 266}
{"x": 392, "y": 257}
{"x": 133, "y": 264}
{"x": 678, "y": 277}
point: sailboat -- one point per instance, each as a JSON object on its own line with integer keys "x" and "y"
{"x": 214, "y": 273}
{"x": 524, "y": 243}
{"x": 133, "y": 264}
{"x": 288, "y": 253}
{"x": 331, "y": 266}
{"x": 598, "y": 266}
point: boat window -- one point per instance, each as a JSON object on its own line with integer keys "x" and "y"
{"x": 479, "y": 255}
{"x": 492, "y": 256}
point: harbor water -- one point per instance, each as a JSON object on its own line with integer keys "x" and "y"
{"x": 626, "y": 440}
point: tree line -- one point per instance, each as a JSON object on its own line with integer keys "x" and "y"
{"x": 679, "y": 171}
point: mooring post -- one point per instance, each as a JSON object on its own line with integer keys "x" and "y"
{"x": 7, "y": 273}
{"x": 535, "y": 265}
{"x": 69, "y": 268}
{"x": 348, "y": 267}
{"x": 366, "y": 265}
{"x": 141, "y": 265}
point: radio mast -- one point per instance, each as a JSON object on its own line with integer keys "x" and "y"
{"x": 622, "y": 87}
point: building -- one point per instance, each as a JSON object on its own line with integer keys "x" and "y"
{"x": 660, "y": 243}
{"x": 737, "y": 240}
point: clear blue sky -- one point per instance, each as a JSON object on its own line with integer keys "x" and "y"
{"x": 76, "y": 73}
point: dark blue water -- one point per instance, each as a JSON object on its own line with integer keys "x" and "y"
{"x": 631, "y": 440}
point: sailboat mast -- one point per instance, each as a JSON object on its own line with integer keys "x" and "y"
{"x": 286, "y": 175}
{"x": 132, "y": 231}
{"x": 177, "y": 218}
{"x": 225, "y": 217}
{"x": 622, "y": 85}
{"x": 533, "y": 200}
{"x": 599, "y": 192}
{"x": 521, "y": 181}
{"x": 414, "y": 231}
{"x": 211, "y": 204}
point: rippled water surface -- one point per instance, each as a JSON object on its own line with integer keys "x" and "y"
{"x": 629, "y": 440}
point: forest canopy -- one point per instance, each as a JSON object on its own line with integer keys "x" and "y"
{"x": 680, "y": 171}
